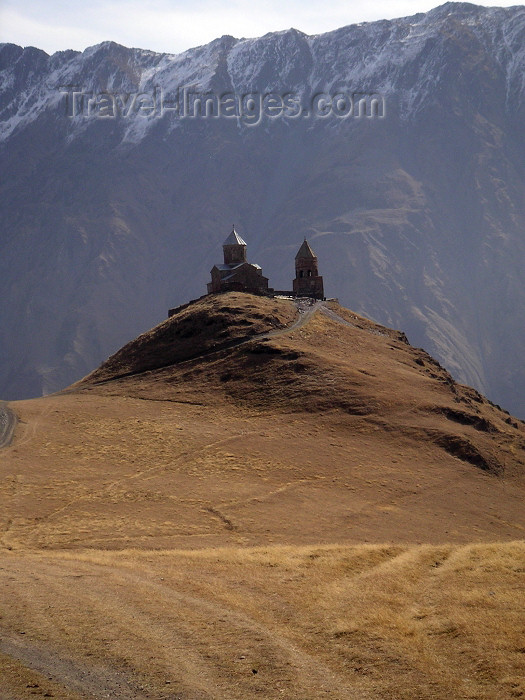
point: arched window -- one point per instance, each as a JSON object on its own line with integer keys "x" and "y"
{"x": 300, "y": 273}
{"x": 309, "y": 273}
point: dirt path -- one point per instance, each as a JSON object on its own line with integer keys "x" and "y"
{"x": 345, "y": 623}
{"x": 335, "y": 317}
{"x": 339, "y": 319}
{"x": 78, "y": 677}
{"x": 306, "y": 308}
{"x": 154, "y": 633}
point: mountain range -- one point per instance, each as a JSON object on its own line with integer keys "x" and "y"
{"x": 115, "y": 201}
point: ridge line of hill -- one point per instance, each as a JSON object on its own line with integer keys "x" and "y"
{"x": 306, "y": 309}
{"x": 305, "y": 312}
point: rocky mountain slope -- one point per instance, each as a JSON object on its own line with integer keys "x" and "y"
{"x": 113, "y": 215}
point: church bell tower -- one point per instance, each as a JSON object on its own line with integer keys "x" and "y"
{"x": 307, "y": 282}
{"x": 234, "y": 249}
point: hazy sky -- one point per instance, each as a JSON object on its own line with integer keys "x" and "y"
{"x": 175, "y": 25}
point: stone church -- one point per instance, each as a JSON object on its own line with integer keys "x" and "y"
{"x": 237, "y": 274}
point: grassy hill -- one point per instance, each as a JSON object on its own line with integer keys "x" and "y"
{"x": 256, "y": 500}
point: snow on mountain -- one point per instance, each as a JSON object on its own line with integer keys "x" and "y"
{"x": 400, "y": 57}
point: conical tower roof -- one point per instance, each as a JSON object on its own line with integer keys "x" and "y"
{"x": 305, "y": 251}
{"x": 234, "y": 239}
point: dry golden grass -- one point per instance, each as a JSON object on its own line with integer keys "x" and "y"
{"x": 211, "y": 323}
{"x": 89, "y": 470}
{"x": 323, "y": 513}
{"x": 394, "y": 621}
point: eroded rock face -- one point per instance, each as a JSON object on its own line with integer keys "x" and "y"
{"x": 417, "y": 218}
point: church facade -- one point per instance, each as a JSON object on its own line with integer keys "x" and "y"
{"x": 237, "y": 274}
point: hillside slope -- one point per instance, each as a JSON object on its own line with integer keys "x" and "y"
{"x": 220, "y": 347}
{"x": 245, "y": 420}
{"x": 263, "y": 497}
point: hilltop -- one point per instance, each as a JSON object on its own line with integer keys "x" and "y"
{"x": 245, "y": 420}
{"x": 263, "y": 496}
{"x": 243, "y": 351}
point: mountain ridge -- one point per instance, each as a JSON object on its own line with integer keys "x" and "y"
{"x": 417, "y": 217}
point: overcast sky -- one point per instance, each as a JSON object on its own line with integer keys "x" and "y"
{"x": 176, "y": 25}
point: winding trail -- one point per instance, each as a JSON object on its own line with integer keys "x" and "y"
{"x": 203, "y": 644}
{"x": 306, "y": 307}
